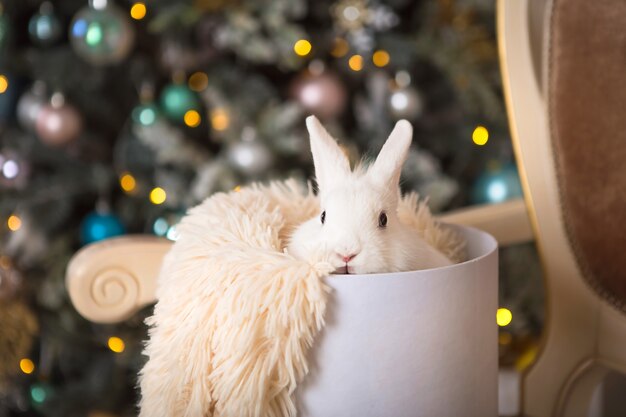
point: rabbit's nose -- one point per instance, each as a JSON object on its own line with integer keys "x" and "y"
{"x": 347, "y": 258}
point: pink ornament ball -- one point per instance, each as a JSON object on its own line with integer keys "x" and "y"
{"x": 58, "y": 126}
{"x": 323, "y": 95}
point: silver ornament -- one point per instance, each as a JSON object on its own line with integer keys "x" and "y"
{"x": 405, "y": 103}
{"x": 102, "y": 34}
{"x": 250, "y": 156}
{"x": 29, "y": 106}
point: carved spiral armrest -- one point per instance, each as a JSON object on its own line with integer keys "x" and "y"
{"x": 109, "y": 281}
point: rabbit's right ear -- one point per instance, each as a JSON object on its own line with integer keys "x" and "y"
{"x": 329, "y": 160}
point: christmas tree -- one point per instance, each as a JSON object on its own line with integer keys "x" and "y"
{"x": 117, "y": 116}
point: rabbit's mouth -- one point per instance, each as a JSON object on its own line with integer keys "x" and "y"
{"x": 342, "y": 270}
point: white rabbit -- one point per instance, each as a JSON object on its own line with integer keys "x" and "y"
{"x": 358, "y": 229}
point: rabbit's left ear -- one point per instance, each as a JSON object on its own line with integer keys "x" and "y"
{"x": 388, "y": 165}
{"x": 330, "y": 162}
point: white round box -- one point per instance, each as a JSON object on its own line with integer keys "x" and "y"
{"x": 408, "y": 344}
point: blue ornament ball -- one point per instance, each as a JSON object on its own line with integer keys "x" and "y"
{"x": 178, "y": 99}
{"x": 497, "y": 184}
{"x": 44, "y": 27}
{"x": 99, "y": 226}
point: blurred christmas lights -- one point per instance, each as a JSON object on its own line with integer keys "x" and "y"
{"x": 302, "y": 47}
{"x": 192, "y": 118}
{"x": 128, "y": 183}
{"x": 27, "y": 366}
{"x": 504, "y": 317}
{"x": 14, "y": 223}
{"x": 219, "y": 119}
{"x": 480, "y": 136}
{"x": 116, "y": 344}
{"x": 340, "y": 48}
{"x": 138, "y": 11}
{"x": 198, "y": 81}
{"x": 356, "y": 62}
{"x": 380, "y": 58}
{"x": 158, "y": 196}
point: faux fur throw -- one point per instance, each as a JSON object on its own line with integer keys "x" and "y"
{"x": 236, "y": 314}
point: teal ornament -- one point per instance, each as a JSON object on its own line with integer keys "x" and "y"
{"x": 40, "y": 395}
{"x": 102, "y": 34}
{"x": 5, "y": 28}
{"x": 45, "y": 27}
{"x": 497, "y": 184}
{"x": 146, "y": 114}
{"x": 99, "y": 226}
{"x": 178, "y": 99}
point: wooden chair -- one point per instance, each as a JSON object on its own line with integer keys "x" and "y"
{"x": 585, "y": 335}
{"x": 542, "y": 51}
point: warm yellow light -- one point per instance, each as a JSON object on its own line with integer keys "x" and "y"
{"x": 220, "y": 119}
{"x": 27, "y": 366}
{"x": 198, "y": 81}
{"x": 480, "y": 136}
{"x": 237, "y": 189}
{"x": 503, "y": 317}
{"x": 505, "y": 338}
{"x": 128, "y": 183}
{"x": 302, "y": 47}
{"x": 527, "y": 358}
{"x": 340, "y": 48}
{"x": 380, "y": 58}
{"x": 14, "y": 223}
{"x": 158, "y": 195}
{"x": 356, "y": 62}
{"x": 138, "y": 11}
{"x": 4, "y": 84}
{"x": 116, "y": 344}
{"x": 192, "y": 118}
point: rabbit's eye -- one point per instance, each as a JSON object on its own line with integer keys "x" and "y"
{"x": 323, "y": 217}
{"x": 382, "y": 219}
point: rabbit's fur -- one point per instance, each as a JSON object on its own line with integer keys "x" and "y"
{"x": 353, "y": 203}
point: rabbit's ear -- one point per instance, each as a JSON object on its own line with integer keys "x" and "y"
{"x": 388, "y": 165}
{"x": 329, "y": 160}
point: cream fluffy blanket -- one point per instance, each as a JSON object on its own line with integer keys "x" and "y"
{"x": 236, "y": 315}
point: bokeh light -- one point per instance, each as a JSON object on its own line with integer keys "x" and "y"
{"x": 192, "y": 118}
{"x": 480, "y": 136}
{"x": 302, "y": 47}
{"x": 158, "y": 195}
{"x": 4, "y": 84}
{"x": 380, "y": 58}
{"x": 14, "y": 223}
{"x": 504, "y": 317}
{"x": 356, "y": 62}
{"x": 219, "y": 119}
{"x": 138, "y": 11}
{"x": 128, "y": 183}
{"x": 198, "y": 81}
{"x": 27, "y": 366}
{"x": 116, "y": 344}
